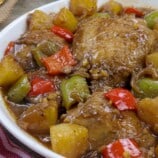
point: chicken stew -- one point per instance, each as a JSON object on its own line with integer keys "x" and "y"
{"x": 84, "y": 81}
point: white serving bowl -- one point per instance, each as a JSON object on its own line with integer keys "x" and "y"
{"x": 13, "y": 32}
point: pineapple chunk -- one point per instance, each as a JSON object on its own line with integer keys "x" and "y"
{"x": 147, "y": 111}
{"x": 10, "y": 71}
{"x": 51, "y": 114}
{"x": 83, "y": 7}
{"x": 69, "y": 140}
{"x": 39, "y": 20}
{"x": 66, "y": 19}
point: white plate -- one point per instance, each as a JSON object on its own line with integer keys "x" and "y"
{"x": 13, "y": 32}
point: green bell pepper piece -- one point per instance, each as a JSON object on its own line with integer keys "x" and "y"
{"x": 38, "y": 55}
{"x": 148, "y": 87}
{"x": 151, "y": 19}
{"x": 74, "y": 90}
{"x": 19, "y": 90}
{"x": 48, "y": 48}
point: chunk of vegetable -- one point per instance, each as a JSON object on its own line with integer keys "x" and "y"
{"x": 66, "y": 19}
{"x": 48, "y": 47}
{"x": 152, "y": 59}
{"x": 38, "y": 55}
{"x": 114, "y": 7}
{"x": 83, "y": 7}
{"x": 10, "y": 47}
{"x": 147, "y": 111}
{"x": 64, "y": 33}
{"x": 51, "y": 114}
{"x": 10, "y": 71}
{"x": 19, "y": 90}
{"x": 122, "y": 148}
{"x": 74, "y": 90}
{"x": 69, "y": 140}
{"x": 148, "y": 87}
{"x": 40, "y": 86}
{"x": 152, "y": 19}
{"x": 135, "y": 11}
{"x": 122, "y": 99}
{"x": 55, "y": 64}
{"x": 39, "y": 20}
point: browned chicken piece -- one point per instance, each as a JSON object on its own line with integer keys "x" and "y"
{"x": 37, "y": 36}
{"x": 105, "y": 123}
{"x": 110, "y": 49}
{"x": 38, "y": 40}
{"x": 25, "y": 58}
{"x": 38, "y": 118}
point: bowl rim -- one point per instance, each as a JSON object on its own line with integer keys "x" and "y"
{"x": 7, "y": 121}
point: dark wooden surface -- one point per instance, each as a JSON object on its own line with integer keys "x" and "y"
{"x": 21, "y": 7}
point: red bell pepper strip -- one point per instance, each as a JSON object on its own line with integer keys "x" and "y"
{"x": 62, "y": 32}
{"x": 122, "y": 148}
{"x": 9, "y": 48}
{"x": 56, "y": 63}
{"x": 135, "y": 11}
{"x": 122, "y": 99}
{"x": 40, "y": 86}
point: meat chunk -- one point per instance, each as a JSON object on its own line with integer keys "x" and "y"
{"x": 112, "y": 48}
{"x": 93, "y": 114}
{"x": 25, "y": 58}
{"x": 36, "y": 40}
{"x": 106, "y": 124}
{"x": 37, "y": 36}
{"x": 38, "y": 118}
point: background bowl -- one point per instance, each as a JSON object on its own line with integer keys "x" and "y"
{"x": 13, "y": 32}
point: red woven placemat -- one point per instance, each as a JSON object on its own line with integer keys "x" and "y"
{"x": 12, "y": 148}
